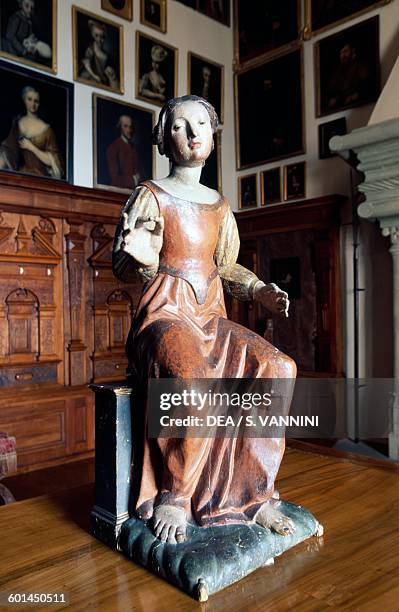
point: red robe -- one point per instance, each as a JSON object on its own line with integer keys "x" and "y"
{"x": 123, "y": 163}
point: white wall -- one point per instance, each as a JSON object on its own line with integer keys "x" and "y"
{"x": 188, "y": 31}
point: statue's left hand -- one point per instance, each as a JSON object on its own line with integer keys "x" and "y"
{"x": 272, "y": 298}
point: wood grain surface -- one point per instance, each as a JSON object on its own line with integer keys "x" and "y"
{"x": 46, "y": 547}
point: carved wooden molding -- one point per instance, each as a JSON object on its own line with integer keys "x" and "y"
{"x": 75, "y": 242}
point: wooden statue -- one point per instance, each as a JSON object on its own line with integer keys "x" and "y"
{"x": 182, "y": 238}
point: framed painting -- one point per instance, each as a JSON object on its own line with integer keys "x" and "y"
{"x": 211, "y": 174}
{"x": 156, "y": 70}
{"x": 295, "y": 181}
{"x": 36, "y": 125}
{"x": 123, "y": 154}
{"x": 190, "y": 3}
{"x": 28, "y": 32}
{"x": 322, "y": 15}
{"x": 265, "y": 26}
{"x": 153, "y": 14}
{"x": 270, "y": 186}
{"x": 215, "y": 9}
{"x": 348, "y": 68}
{"x": 269, "y": 117}
{"x": 206, "y": 79}
{"x": 248, "y": 191}
{"x": 97, "y": 51}
{"x": 326, "y": 132}
{"x": 121, "y": 8}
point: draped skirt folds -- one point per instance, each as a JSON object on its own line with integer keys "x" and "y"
{"x": 216, "y": 480}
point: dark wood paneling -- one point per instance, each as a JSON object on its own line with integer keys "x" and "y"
{"x": 309, "y": 231}
{"x": 64, "y": 317}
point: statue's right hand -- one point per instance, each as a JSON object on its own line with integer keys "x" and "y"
{"x": 143, "y": 241}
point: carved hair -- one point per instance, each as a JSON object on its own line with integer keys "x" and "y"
{"x": 159, "y": 135}
{"x": 27, "y": 89}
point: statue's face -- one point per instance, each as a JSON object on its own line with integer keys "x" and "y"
{"x": 190, "y": 134}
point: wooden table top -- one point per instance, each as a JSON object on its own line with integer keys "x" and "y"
{"x": 46, "y": 547}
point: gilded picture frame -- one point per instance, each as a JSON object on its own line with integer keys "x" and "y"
{"x": 19, "y": 151}
{"x": 150, "y": 51}
{"x": 121, "y": 8}
{"x": 38, "y": 49}
{"x": 92, "y": 70}
{"x": 313, "y": 28}
{"x": 112, "y": 162}
{"x": 275, "y": 83}
{"x": 153, "y": 14}
{"x": 270, "y": 186}
{"x": 199, "y": 66}
{"x": 357, "y": 48}
{"x": 248, "y": 193}
{"x": 264, "y": 46}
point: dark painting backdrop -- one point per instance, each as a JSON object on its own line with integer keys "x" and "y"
{"x": 265, "y": 25}
{"x": 107, "y": 115}
{"x": 42, "y": 22}
{"x": 56, "y": 106}
{"x": 270, "y": 113}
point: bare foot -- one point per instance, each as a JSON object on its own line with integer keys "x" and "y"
{"x": 268, "y": 516}
{"x": 170, "y": 524}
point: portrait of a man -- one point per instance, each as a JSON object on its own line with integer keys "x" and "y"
{"x": 348, "y": 68}
{"x": 28, "y": 32}
{"x": 153, "y": 14}
{"x": 123, "y": 153}
{"x": 216, "y": 9}
{"x": 122, "y": 159}
{"x": 206, "y": 79}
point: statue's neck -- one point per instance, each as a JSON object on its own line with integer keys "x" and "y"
{"x": 188, "y": 177}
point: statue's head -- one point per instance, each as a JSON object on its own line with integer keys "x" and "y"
{"x": 185, "y": 129}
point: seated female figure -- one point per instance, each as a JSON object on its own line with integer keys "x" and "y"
{"x": 182, "y": 238}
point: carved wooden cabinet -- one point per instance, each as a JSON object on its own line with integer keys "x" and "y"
{"x": 296, "y": 245}
{"x": 64, "y": 317}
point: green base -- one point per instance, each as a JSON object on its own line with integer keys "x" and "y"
{"x": 212, "y": 558}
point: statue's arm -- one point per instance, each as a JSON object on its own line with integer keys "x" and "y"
{"x": 141, "y": 204}
{"x": 237, "y": 280}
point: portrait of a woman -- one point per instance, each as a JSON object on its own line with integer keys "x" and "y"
{"x": 182, "y": 238}
{"x": 31, "y": 145}
{"x": 98, "y": 57}
{"x": 156, "y": 79}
